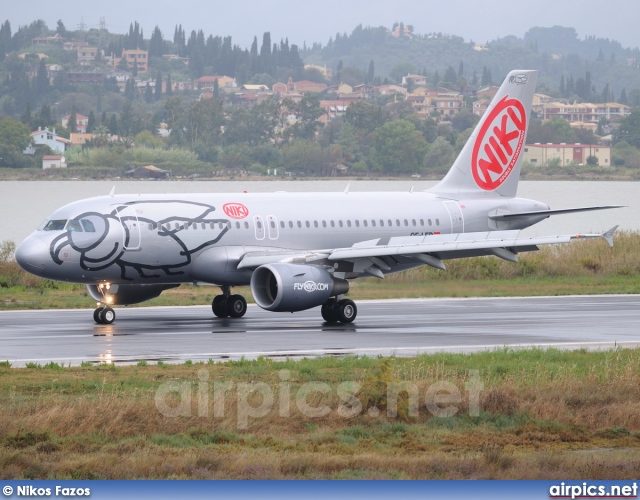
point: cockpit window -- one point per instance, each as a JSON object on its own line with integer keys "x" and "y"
{"x": 88, "y": 225}
{"x": 74, "y": 225}
{"x": 54, "y": 225}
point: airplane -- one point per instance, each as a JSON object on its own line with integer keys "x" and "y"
{"x": 300, "y": 250}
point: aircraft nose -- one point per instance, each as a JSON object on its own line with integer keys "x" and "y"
{"x": 31, "y": 255}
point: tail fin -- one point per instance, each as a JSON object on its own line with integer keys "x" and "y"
{"x": 489, "y": 163}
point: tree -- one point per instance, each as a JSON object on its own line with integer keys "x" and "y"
{"x": 158, "y": 87}
{"x": 463, "y": 120}
{"x": 629, "y": 129}
{"x": 398, "y": 148}
{"x": 401, "y": 69}
{"x": 169, "y": 91}
{"x": 60, "y": 29}
{"x": 441, "y": 154}
{"x": 148, "y": 93}
{"x": 72, "y": 125}
{"x": 14, "y": 138}
{"x": 91, "y": 122}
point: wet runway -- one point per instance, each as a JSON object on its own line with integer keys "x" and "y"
{"x": 400, "y": 327}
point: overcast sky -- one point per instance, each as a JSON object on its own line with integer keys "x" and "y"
{"x": 316, "y": 21}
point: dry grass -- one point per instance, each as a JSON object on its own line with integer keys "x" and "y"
{"x": 543, "y": 414}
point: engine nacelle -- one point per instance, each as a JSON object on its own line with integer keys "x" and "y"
{"x": 124, "y": 295}
{"x": 294, "y": 287}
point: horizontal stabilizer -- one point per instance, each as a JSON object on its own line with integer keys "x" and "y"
{"x": 525, "y": 215}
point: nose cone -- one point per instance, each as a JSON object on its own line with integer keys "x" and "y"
{"x": 32, "y": 254}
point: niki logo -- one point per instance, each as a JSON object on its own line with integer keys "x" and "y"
{"x": 235, "y": 210}
{"x": 518, "y": 79}
{"x": 499, "y": 144}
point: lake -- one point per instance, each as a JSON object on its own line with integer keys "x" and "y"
{"x": 25, "y": 204}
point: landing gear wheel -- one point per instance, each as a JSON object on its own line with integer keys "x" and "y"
{"x": 236, "y": 306}
{"x": 328, "y": 311}
{"x": 96, "y": 315}
{"x": 219, "y": 306}
{"x": 107, "y": 316}
{"x": 346, "y": 311}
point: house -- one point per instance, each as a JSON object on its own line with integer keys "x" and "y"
{"x": 80, "y": 139}
{"x": 414, "y": 80}
{"x": 566, "y": 154}
{"x": 279, "y": 88}
{"x": 46, "y": 40}
{"x": 71, "y": 46}
{"x": 254, "y": 88}
{"x": 448, "y": 104}
{"x": 334, "y": 108}
{"x": 49, "y": 138}
{"x": 81, "y": 122}
{"x": 583, "y": 112}
{"x": 87, "y": 55}
{"x": 480, "y": 106}
{"x": 134, "y": 57}
{"x": 207, "y": 83}
{"x": 89, "y": 77}
{"x": 53, "y": 161}
{"x": 305, "y": 86}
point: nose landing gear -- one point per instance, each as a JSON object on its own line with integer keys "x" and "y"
{"x": 104, "y": 315}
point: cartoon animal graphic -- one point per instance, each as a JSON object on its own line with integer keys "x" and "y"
{"x": 120, "y": 238}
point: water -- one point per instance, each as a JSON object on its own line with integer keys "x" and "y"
{"x": 25, "y": 204}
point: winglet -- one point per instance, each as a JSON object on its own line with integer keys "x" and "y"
{"x": 346, "y": 190}
{"x": 113, "y": 191}
{"x": 608, "y": 236}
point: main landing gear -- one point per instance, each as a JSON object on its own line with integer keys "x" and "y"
{"x": 227, "y": 305}
{"x": 344, "y": 311}
{"x": 104, "y": 315}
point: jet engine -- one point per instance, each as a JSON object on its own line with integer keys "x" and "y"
{"x": 123, "y": 295}
{"x": 294, "y": 287}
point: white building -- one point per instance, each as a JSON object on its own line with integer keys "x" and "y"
{"x": 49, "y": 138}
{"x": 53, "y": 161}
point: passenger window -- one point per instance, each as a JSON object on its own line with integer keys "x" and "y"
{"x": 390, "y": 223}
{"x": 306, "y": 223}
{"x": 246, "y": 225}
{"x": 397, "y": 222}
{"x": 237, "y": 225}
{"x": 212, "y": 225}
{"x": 373, "y": 223}
{"x": 324, "y": 223}
{"x": 177, "y": 226}
{"x": 381, "y": 223}
{"x": 259, "y": 224}
{"x": 315, "y": 223}
{"x": 406, "y": 222}
{"x": 333, "y": 224}
{"x": 422, "y": 222}
{"x": 204, "y": 226}
{"x": 357, "y": 223}
{"x": 340, "y": 223}
{"x": 413, "y": 222}
{"x": 348, "y": 223}
{"x": 365, "y": 223}
{"x": 90, "y": 228}
{"x": 273, "y": 224}
{"x": 75, "y": 226}
{"x": 291, "y": 224}
{"x": 430, "y": 222}
{"x": 282, "y": 224}
{"x": 299, "y": 224}
{"x": 437, "y": 222}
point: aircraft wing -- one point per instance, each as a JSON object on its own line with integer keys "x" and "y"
{"x": 431, "y": 249}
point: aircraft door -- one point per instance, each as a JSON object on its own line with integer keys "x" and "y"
{"x": 131, "y": 234}
{"x": 455, "y": 213}
{"x": 272, "y": 227}
{"x": 259, "y": 226}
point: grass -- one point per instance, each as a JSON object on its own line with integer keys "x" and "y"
{"x": 588, "y": 267}
{"x": 543, "y": 414}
